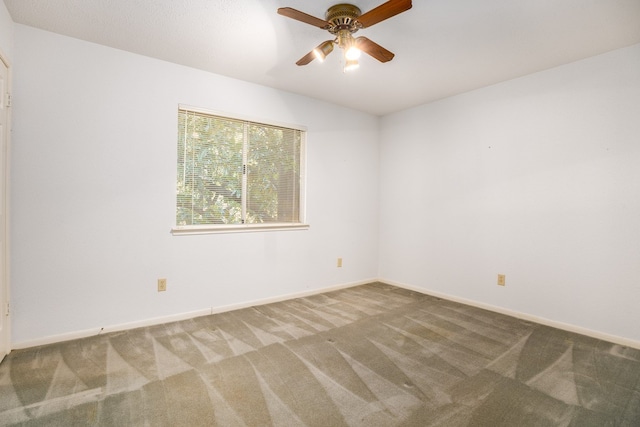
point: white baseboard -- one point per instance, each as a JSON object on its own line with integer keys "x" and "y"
{"x": 52, "y": 339}
{"x": 524, "y": 316}
{"x": 222, "y": 309}
{"x": 293, "y": 295}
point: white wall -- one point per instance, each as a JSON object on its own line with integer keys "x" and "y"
{"x": 537, "y": 178}
{"x": 93, "y": 187}
{"x": 6, "y": 32}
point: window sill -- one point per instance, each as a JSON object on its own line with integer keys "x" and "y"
{"x": 235, "y": 228}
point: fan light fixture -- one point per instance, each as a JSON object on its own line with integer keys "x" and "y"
{"x": 342, "y": 20}
{"x": 351, "y": 65}
{"x": 347, "y": 43}
{"x": 324, "y": 49}
{"x": 352, "y": 54}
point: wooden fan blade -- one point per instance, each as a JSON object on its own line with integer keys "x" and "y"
{"x": 303, "y": 17}
{"x": 374, "y": 49}
{"x": 384, "y": 11}
{"x": 306, "y": 59}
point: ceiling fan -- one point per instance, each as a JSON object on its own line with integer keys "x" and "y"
{"x": 343, "y": 20}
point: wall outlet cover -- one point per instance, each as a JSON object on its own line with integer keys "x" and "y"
{"x": 501, "y": 280}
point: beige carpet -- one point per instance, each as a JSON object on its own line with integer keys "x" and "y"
{"x": 372, "y": 355}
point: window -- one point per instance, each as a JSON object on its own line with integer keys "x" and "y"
{"x": 237, "y": 175}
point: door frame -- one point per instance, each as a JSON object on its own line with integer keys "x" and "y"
{"x": 5, "y": 336}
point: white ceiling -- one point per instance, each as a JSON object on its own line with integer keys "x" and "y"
{"x": 442, "y": 47}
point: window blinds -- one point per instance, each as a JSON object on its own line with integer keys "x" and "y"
{"x": 234, "y": 171}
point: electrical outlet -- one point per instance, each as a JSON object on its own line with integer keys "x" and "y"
{"x": 501, "y": 280}
{"x": 339, "y": 262}
{"x": 162, "y": 285}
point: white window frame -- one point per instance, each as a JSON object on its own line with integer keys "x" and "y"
{"x": 180, "y": 230}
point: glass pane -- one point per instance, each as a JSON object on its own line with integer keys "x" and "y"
{"x": 273, "y": 174}
{"x": 209, "y": 186}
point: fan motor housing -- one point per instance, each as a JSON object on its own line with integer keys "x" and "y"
{"x": 343, "y": 16}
